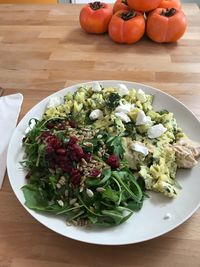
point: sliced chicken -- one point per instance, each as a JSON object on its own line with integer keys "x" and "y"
{"x": 187, "y": 151}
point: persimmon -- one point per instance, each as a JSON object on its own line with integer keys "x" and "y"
{"x": 170, "y": 4}
{"x": 126, "y": 26}
{"x": 95, "y": 17}
{"x": 166, "y": 25}
{"x": 143, "y": 5}
{"x": 120, "y": 5}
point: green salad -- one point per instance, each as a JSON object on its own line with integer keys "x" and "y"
{"x": 96, "y": 152}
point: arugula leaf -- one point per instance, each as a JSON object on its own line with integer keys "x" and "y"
{"x": 115, "y": 145}
{"x": 106, "y": 173}
{"x": 41, "y": 153}
{"x": 129, "y": 184}
{"x": 134, "y": 206}
{"x": 110, "y": 194}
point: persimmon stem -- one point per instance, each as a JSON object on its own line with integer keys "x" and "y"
{"x": 96, "y": 5}
{"x": 169, "y": 12}
{"x": 128, "y": 15}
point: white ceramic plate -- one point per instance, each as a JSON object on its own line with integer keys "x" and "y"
{"x": 148, "y": 223}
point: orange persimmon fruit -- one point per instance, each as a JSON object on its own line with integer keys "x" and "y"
{"x": 170, "y": 4}
{"x": 126, "y": 26}
{"x": 166, "y": 25}
{"x": 95, "y": 17}
{"x": 120, "y": 5}
{"x": 143, "y": 5}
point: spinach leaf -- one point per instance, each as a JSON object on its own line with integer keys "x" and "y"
{"x": 112, "y": 101}
{"x": 35, "y": 199}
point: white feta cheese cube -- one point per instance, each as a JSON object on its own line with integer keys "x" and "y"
{"x": 140, "y": 148}
{"x": 55, "y": 101}
{"x": 31, "y": 126}
{"x": 125, "y": 108}
{"x": 96, "y": 87}
{"x": 156, "y": 131}
{"x": 124, "y": 117}
{"x": 96, "y": 114}
{"x": 142, "y": 118}
{"x": 141, "y": 96}
{"x": 122, "y": 89}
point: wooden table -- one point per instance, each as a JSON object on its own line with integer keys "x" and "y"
{"x": 43, "y": 49}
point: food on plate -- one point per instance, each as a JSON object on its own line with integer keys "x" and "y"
{"x": 126, "y": 26}
{"x": 166, "y": 25}
{"x": 120, "y": 5}
{"x": 95, "y": 17}
{"x": 170, "y": 4}
{"x": 187, "y": 153}
{"x": 143, "y": 5}
{"x": 96, "y": 152}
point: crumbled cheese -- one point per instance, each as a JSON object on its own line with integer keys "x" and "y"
{"x": 141, "y": 96}
{"x": 124, "y": 117}
{"x": 140, "y": 148}
{"x": 96, "y": 114}
{"x": 30, "y": 127}
{"x": 55, "y": 101}
{"x": 122, "y": 89}
{"x": 142, "y": 118}
{"x": 96, "y": 87}
{"x": 125, "y": 108}
{"x": 156, "y": 131}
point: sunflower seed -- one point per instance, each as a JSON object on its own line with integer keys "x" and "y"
{"x": 62, "y": 180}
{"x": 60, "y": 202}
{"x": 89, "y": 192}
{"x": 87, "y": 173}
{"x": 100, "y": 189}
{"x": 101, "y": 142}
{"x": 81, "y": 188}
{"x": 84, "y": 162}
{"x": 91, "y": 164}
{"x": 72, "y": 201}
{"x": 58, "y": 185}
{"x": 85, "y": 129}
{"x": 88, "y": 144}
{"x": 99, "y": 154}
{"x": 83, "y": 180}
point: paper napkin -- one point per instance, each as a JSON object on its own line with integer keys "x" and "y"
{"x": 10, "y": 107}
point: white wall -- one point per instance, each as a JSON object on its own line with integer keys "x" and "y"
{"x": 112, "y": 1}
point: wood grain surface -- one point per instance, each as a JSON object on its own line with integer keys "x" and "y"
{"x": 42, "y": 50}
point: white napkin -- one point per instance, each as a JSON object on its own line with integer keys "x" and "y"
{"x": 10, "y": 107}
